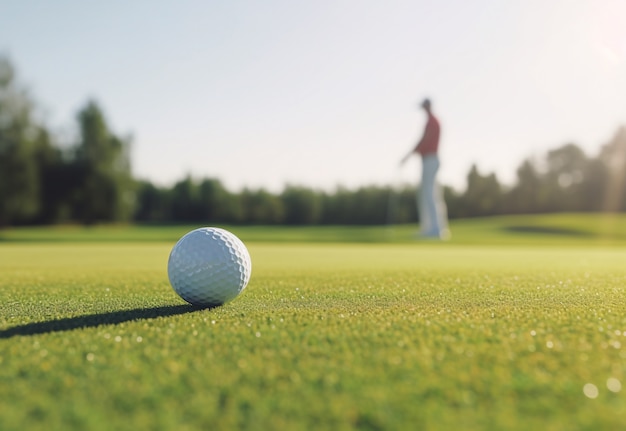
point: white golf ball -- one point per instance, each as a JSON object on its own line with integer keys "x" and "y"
{"x": 209, "y": 266}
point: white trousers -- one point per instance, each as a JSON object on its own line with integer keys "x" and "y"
{"x": 431, "y": 206}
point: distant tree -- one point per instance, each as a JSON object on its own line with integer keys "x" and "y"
{"x": 563, "y": 178}
{"x": 613, "y": 157}
{"x": 406, "y": 205}
{"x": 152, "y": 203}
{"x": 527, "y": 195}
{"x": 261, "y": 207}
{"x": 594, "y": 189}
{"x": 370, "y": 205}
{"x": 184, "y": 201}
{"x": 55, "y": 181}
{"x": 483, "y": 195}
{"x": 217, "y": 204}
{"x": 337, "y": 207}
{"x": 454, "y": 202}
{"x": 104, "y": 191}
{"x": 19, "y": 135}
{"x": 302, "y": 205}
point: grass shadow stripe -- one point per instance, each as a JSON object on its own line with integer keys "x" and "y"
{"x": 94, "y": 320}
{"x": 548, "y": 230}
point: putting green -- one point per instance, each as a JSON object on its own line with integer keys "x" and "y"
{"x": 326, "y": 336}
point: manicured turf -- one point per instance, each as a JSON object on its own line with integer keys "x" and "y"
{"x": 563, "y": 229}
{"x": 503, "y": 334}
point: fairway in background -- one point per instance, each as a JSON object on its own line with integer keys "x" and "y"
{"x": 555, "y": 229}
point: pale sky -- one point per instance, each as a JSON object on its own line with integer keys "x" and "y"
{"x": 263, "y": 93}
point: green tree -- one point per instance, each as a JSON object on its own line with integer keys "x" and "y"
{"x": 184, "y": 201}
{"x": 105, "y": 189}
{"x": 527, "y": 196}
{"x": 302, "y": 205}
{"x": 261, "y": 207}
{"x": 55, "y": 180}
{"x": 19, "y": 134}
{"x": 564, "y": 178}
{"x": 372, "y": 205}
{"x": 152, "y": 203}
{"x": 483, "y": 195}
{"x": 613, "y": 157}
{"x": 454, "y": 202}
{"x": 594, "y": 189}
{"x": 217, "y": 204}
{"x": 337, "y": 207}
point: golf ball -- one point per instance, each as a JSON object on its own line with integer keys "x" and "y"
{"x": 209, "y": 266}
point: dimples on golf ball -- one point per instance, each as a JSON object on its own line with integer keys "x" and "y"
{"x": 209, "y": 266}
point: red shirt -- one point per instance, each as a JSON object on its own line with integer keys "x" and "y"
{"x": 429, "y": 144}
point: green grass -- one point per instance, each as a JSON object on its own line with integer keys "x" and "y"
{"x": 563, "y": 229}
{"x": 497, "y": 329}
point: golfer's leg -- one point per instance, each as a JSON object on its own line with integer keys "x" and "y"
{"x": 442, "y": 212}
{"x": 430, "y": 171}
{"x": 422, "y": 199}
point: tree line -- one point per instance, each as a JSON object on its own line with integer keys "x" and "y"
{"x": 88, "y": 180}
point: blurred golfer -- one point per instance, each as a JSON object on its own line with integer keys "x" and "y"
{"x": 431, "y": 206}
